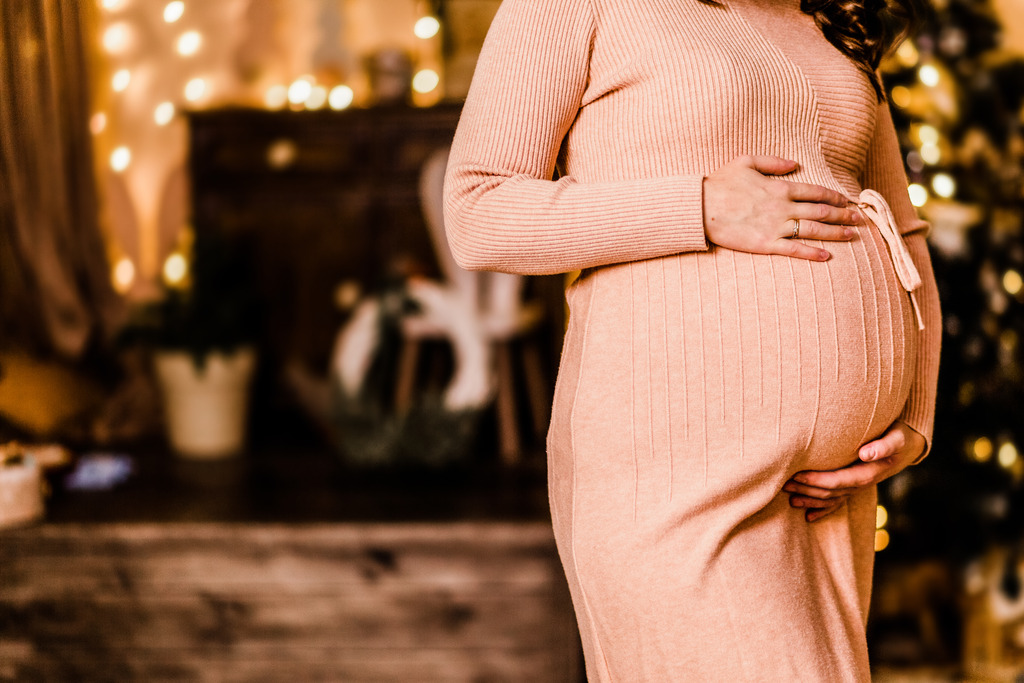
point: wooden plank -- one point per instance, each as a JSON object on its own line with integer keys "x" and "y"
{"x": 220, "y": 602}
{"x": 108, "y": 558}
{"x": 372, "y": 619}
{"x": 455, "y": 666}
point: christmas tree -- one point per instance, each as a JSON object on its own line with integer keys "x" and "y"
{"x": 956, "y": 99}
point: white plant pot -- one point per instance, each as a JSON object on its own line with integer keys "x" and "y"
{"x": 206, "y": 410}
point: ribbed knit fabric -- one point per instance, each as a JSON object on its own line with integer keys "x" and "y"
{"x": 695, "y": 381}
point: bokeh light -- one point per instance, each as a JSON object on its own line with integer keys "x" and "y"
{"x": 173, "y": 11}
{"x": 425, "y": 80}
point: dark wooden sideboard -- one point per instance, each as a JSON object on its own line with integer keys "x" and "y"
{"x": 317, "y": 198}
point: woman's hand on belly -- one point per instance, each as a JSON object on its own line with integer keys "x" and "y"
{"x": 746, "y": 210}
{"x": 822, "y": 492}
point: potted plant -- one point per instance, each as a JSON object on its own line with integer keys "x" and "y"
{"x": 202, "y": 331}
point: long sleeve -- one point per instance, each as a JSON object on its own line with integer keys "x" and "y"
{"x": 503, "y": 211}
{"x": 884, "y": 172}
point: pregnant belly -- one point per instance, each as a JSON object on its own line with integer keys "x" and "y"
{"x": 724, "y": 360}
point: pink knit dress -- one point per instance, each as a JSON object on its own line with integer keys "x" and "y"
{"x": 695, "y": 381}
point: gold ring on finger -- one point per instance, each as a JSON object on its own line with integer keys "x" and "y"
{"x": 796, "y": 228}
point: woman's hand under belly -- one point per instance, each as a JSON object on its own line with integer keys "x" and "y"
{"x": 822, "y": 492}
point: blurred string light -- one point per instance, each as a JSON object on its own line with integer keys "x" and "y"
{"x": 426, "y": 27}
{"x": 425, "y": 80}
{"x": 341, "y": 97}
{"x": 901, "y": 96}
{"x": 1013, "y": 282}
{"x": 121, "y": 80}
{"x": 195, "y": 89}
{"x": 982, "y": 449}
{"x": 944, "y": 185}
{"x": 928, "y": 75}
{"x": 918, "y": 194}
{"x": 1007, "y": 455}
{"x": 120, "y": 158}
{"x": 907, "y": 54}
{"x": 276, "y": 96}
{"x": 300, "y": 89}
{"x": 163, "y": 113}
{"x": 317, "y": 97}
{"x": 914, "y": 161}
{"x": 175, "y": 269}
{"x": 123, "y": 275}
{"x": 98, "y": 123}
{"x": 930, "y": 154}
{"x": 928, "y": 135}
{"x": 173, "y": 11}
{"x": 189, "y": 43}
{"x": 881, "y": 535}
{"x": 112, "y": 5}
{"x": 117, "y": 38}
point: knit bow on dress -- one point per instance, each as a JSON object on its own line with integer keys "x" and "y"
{"x": 878, "y": 211}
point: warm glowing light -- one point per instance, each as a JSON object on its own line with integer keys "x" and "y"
{"x": 121, "y": 80}
{"x": 281, "y": 154}
{"x": 930, "y": 154}
{"x": 317, "y": 97}
{"x": 881, "y": 516}
{"x": 189, "y": 43}
{"x": 1007, "y": 455}
{"x": 98, "y": 123}
{"x": 341, "y": 97}
{"x": 928, "y": 135}
{"x": 123, "y": 275}
{"x": 111, "y": 5}
{"x": 901, "y": 96}
{"x": 914, "y": 161}
{"x": 163, "y": 113}
{"x": 173, "y": 11}
{"x": 918, "y": 194}
{"x": 425, "y": 81}
{"x": 907, "y": 54}
{"x": 195, "y": 89}
{"x": 982, "y": 449}
{"x": 120, "y": 158}
{"x": 299, "y": 91}
{"x": 1013, "y": 282}
{"x": 944, "y": 185}
{"x": 276, "y": 97}
{"x": 426, "y": 27}
{"x": 117, "y": 37}
{"x": 881, "y": 540}
{"x": 929, "y": 75}
{"x": 175, "y": 269}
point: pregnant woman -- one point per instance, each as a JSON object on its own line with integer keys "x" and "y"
{"x": 753, "y": 337}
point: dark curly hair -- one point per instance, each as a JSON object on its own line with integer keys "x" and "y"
{"x": 863, "y": 30}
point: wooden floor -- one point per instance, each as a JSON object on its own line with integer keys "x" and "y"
{"x": 285, "y": 564}
{"x": 474, "y": 601}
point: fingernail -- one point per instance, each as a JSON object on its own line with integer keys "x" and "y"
{"x": 824, "y": 255}
{"x": 800, "y": 478}
{"x": 847, "y": 232}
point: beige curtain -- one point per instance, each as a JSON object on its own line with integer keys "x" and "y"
{"x": 55, "y": 292}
